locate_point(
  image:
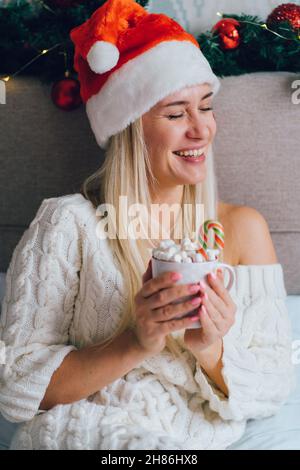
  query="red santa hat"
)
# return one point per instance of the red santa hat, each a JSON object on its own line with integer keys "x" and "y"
{"x": 128, "y": 60}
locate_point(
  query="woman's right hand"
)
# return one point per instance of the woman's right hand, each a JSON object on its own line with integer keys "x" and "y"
{"x": 155, "y": 314}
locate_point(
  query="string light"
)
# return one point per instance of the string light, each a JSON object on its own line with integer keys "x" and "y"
{"x": 43, "y": 52}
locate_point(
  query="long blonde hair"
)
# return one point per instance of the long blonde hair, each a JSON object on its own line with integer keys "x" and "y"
{"x": 126, "y": 171}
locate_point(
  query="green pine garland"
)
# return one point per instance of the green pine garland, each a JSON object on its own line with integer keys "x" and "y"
{"x": 259, "y": 50}
{"x": 26, "y": 30}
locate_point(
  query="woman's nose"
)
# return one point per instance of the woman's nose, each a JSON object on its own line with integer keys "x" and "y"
{"x": 198, "y": 128}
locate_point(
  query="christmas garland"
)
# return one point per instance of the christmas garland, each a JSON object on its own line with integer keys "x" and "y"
{"x": 27, "y": 28}
{"x": 243, "y": 44}
{"x": 34, "y": 39}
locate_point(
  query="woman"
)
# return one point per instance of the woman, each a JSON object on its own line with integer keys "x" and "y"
{"x": 95, "y": 358}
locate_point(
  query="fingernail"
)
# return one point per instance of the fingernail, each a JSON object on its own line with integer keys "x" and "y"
{"x": 213, "y": 276}
{"x": 202, "y": 285}
{"x": 196, "y": 301}
{"x": 196, "y": 318}
{"x": 194, "y": 288}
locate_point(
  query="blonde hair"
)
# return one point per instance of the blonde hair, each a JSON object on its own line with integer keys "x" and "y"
{"x": 126, "y": 171}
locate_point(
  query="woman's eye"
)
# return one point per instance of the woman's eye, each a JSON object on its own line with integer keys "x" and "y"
{"x": 175, "y": 117}
{"x": 180, "y": 115}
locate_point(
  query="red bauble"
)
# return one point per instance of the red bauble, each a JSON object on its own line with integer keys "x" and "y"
{"x": 228, "y": 32}
{"x": 65, "y": 94}
{"x": 288, "y": 12}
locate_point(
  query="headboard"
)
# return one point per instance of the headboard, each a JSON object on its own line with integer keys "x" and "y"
{"x": 46, "y": 152}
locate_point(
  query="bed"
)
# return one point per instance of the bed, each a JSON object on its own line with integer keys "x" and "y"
{"x": 257, "y": 164}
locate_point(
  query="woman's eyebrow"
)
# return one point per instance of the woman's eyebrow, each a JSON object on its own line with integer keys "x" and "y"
{"x": 176, "y": 103}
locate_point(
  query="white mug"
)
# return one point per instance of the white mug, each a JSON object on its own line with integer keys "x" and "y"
{"x": 192, "y": 273}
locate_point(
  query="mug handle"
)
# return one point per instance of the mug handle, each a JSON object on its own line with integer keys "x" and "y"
{"x": 231, "y": 274}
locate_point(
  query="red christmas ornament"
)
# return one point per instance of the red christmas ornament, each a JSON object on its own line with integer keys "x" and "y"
{"x": 288, "y": 12}
{"x": 65, "y": 94}
{"x": 228, "y": 32}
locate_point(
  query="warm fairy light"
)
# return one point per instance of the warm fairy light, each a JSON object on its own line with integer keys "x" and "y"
{"x": 44, "y": 51}
{"x": 5, "y": 79}
{"x": 264, "y": 26}
{"x": 219, "y": 14}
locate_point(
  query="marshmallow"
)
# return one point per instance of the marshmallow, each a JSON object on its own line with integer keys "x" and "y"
{"x": 186, "y": 252}
{"x": 198, "y": 258}
{"x": 166, "y": 244}
{"x": 212, "y": 254}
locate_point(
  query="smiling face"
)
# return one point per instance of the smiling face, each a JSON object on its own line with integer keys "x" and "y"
{"x": 170, "y": 128}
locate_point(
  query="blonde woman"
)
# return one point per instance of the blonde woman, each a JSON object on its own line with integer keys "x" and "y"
{"x": 95, "y": 357}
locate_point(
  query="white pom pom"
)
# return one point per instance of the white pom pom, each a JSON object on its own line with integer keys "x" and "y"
{"x": 103, "y": 56}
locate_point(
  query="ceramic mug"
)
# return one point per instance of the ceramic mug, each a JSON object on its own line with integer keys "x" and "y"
{"x": 192, "y": 273}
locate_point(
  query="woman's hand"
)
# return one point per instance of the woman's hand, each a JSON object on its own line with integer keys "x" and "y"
{"x": 217, "y": 315}
{"x": 155, "y": 314}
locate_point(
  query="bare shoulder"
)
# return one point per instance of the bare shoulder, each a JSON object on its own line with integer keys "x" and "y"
{"x": 225, "y": 214}
{"x": 252, "y": 236}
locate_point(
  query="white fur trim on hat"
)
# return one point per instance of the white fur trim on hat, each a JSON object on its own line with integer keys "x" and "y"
{"x": 142, "y": 82}
{"x": 103, "y": 56}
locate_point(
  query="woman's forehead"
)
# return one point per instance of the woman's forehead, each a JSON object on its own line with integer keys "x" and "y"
{"x": 195, "y": 91}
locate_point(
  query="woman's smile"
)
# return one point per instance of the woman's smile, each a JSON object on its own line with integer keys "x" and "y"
{"x": 190, "y": 159}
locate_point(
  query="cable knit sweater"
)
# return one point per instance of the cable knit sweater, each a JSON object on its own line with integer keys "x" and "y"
{"x": 64, "y": 291}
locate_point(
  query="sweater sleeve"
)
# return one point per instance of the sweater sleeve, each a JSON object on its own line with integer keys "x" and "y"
{"x": 41, "y": 285}
{"x": 257, "y": 351}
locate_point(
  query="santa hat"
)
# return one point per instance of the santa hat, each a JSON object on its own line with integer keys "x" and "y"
{"x": 128, "y": 60}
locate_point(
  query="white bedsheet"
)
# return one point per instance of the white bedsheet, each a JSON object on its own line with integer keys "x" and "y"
{"x": 280, "y": 432}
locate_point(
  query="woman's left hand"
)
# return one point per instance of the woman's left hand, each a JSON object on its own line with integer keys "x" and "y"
{"x": 216, "y": 315}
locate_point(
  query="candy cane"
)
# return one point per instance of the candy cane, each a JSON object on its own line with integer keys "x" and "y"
{"x": 218, "y": 229}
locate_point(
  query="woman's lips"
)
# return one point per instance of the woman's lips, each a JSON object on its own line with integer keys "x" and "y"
{"x": 199, "y": 159}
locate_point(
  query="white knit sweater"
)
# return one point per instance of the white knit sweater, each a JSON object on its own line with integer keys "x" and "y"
{"x": 64, "y": 291}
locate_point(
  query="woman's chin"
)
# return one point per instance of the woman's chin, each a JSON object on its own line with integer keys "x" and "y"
{"x": 191, "y": 182}
{"x": 192, "y": 178}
